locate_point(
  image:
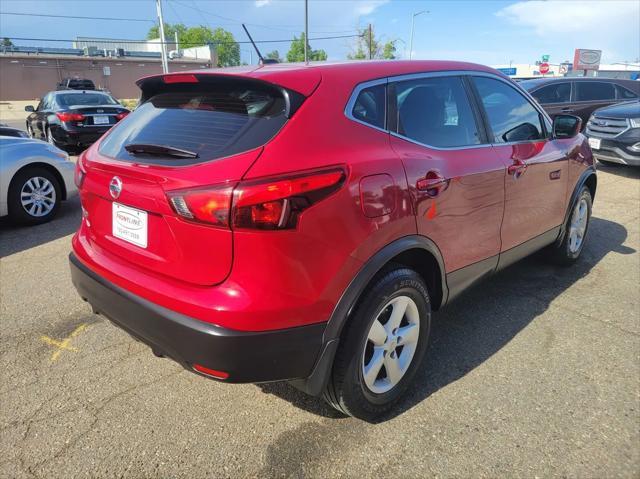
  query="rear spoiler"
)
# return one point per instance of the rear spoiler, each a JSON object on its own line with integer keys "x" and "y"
{"x": 153, "y": 85}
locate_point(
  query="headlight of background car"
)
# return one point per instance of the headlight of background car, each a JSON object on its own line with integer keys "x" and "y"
{"x": 635, "y": 122}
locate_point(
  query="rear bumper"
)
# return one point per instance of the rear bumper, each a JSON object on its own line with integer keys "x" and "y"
{"x": 277, "y": 355}
{"x": 77, "y": 137}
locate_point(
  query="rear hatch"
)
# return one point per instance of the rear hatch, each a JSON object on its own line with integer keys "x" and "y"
{"x": 189, "y": 132}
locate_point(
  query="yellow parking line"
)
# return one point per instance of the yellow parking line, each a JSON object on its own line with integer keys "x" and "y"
{"x": 64, "y": 344}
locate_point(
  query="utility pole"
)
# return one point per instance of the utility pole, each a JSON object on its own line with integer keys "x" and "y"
{"x": 413, "y": 19}
{"x": 370, "y": 43}
{"x": 163, "y": 45}
{"x": 306, "y": 31}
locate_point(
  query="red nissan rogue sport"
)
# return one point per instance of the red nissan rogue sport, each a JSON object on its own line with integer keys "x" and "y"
{"x": 301, "y": 222}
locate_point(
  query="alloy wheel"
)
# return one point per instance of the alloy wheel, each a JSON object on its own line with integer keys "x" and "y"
{"x": 38, "y": 196}
{"x": 578, "y": 225}
{"x": 391, "y": 344}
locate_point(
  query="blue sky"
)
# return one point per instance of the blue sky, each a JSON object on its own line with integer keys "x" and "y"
{"x": 488, "y": 32}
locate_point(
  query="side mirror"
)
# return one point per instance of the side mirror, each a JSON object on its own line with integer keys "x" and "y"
{"x": 566, "y": 126}
{"x": 29, "y": 108}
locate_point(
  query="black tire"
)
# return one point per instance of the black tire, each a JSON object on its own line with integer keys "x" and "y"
{"x": 17, "y": 212}
{"x": 566, "y": 253}
{"x": 347, "y": 390}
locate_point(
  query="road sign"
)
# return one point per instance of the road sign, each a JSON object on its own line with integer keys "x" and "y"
{"x": 508, "y": 71}
{"x": 587, "y": 59}
{"x": 544, "y": 68}
{"x": 545, "y": 58}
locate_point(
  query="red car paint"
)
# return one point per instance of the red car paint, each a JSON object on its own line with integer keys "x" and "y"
{"x": 255, "y": 280}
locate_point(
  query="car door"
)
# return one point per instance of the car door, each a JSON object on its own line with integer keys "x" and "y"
{"x": 591, "y": 95}
{"x": 32, "y": 119}
{"x": 41, "y": 116}
{"x": 555, "y": 98}
{"x": 455, "y": 179}
{"x": 537, "y": 167}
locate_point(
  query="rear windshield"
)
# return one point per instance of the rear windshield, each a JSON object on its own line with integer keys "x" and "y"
{"x": 73, "y": 99}
{"x": 212, "y": 121}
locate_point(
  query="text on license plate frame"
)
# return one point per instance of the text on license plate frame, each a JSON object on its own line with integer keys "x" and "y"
{"x": 130, "y": 224}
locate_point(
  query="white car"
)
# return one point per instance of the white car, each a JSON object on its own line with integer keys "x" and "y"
{"x": 34, "y": 178}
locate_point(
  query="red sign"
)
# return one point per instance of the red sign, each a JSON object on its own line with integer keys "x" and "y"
{"x": 586, "y": 59}
{"x": 544, "y": 68}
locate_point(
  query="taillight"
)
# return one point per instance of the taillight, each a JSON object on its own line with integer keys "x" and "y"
{"x": 208, "y": 205}
{"x": 259, "y": 204}
{"x": 79, "y": 173}
{"x": 69, "y": 116}
{"x": 277, "y": 204}
{"x": 180, "y": 78}
{"x": 120, "y": 116}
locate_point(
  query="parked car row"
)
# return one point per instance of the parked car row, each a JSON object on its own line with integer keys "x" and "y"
{"x": 609, "y": 108}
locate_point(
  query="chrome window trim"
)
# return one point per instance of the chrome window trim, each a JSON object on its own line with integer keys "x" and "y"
{"x": 443, "y": 73}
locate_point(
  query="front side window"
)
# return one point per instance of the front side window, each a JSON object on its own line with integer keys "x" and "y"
{"x": 370, "y": 106}
{"x": 594, "y": 90}
{"x": 554, "y": 93}
{"x": 511, "y": 116}
{"x": 436, "y": 112}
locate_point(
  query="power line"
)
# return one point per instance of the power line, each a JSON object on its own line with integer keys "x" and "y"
{"x": 258, "y": 25}
{"x": 76, "y": 17}
{"x": 112, "y": 40}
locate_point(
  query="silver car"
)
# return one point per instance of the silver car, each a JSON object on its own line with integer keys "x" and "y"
{"x": 34, "y": 178}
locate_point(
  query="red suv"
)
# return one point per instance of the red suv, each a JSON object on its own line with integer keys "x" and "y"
{"x": 301, "y": 223}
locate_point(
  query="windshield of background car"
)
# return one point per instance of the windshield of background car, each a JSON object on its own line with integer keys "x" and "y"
{"x": 82, "y": 99}
{"x": 218, "y": 121}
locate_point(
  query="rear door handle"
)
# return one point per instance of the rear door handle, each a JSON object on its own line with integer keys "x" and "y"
{"x": 433, "y": 183}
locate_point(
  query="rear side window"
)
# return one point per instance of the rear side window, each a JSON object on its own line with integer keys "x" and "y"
{"x": 436, "y": 112}
{"x": 511, "y": 116}
{"x": 594, "y": 90}
{"x": 555, "y": 93}
{"x": 370, "y": 106}
{"x": 210, "y": 121}
{"x": 625, "y": 94}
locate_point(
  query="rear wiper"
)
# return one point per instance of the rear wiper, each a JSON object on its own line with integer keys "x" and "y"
{"x": 151, "y": 149}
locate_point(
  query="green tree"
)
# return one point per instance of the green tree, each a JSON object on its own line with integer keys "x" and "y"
{"x": 6, "y": 42}
{"x": 365, "y": 48}
{"x": 296, "y": 51}
{"x": 169, "y": 32}
{"x": 226, "y": 46}
{"x": 389, "y": 50}
{"x": 274, "y": 55}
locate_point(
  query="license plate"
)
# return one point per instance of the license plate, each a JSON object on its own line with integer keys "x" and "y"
{"x": 100, "y": 120}
{"x": 130, "y": 224}
{"x": 594, "y": 143}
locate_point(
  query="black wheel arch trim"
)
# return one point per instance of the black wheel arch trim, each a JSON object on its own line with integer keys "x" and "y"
{"x": 317, "y": 381}
{"x": 582, "y": 180}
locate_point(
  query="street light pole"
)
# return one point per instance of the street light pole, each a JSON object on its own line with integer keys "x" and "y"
{"x": 413, "y": 18}
{"x": 163, "y": 45}
{"x": 306, "y": 30}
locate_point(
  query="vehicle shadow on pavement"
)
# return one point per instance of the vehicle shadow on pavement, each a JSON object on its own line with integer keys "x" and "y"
{"x": 14, "y": 239}
{"x": 484, "y": 319}
{"x": 620, "y": 170}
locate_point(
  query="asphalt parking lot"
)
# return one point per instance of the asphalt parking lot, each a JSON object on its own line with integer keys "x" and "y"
{"x": 534, "y": 373}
